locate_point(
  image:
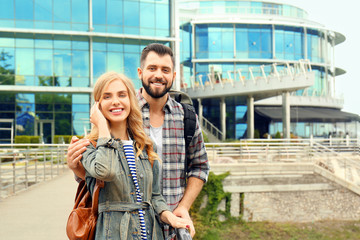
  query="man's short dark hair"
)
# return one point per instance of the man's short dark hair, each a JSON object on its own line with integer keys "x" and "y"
{"x": 158, "y": 48}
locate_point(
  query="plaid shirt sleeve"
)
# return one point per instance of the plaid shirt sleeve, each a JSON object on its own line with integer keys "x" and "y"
{"x": 199, "y": 166}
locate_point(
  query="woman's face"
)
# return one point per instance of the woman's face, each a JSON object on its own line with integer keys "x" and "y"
{"x": 115, "y": 102}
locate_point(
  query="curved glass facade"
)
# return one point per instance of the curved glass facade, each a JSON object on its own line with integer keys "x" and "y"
{"x": 35, "y": 54}
{"x": 243, "y": 7}
{"x": 216, "y": 48}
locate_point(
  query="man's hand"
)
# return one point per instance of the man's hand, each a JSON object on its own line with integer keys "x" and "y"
{"x": 74, "y": 155}
{"x": 182, "y": 212}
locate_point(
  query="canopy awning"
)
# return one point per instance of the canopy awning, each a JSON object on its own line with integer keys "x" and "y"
{"x": 307, "y": 114}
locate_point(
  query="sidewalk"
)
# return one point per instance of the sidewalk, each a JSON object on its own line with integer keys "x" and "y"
{"x": 40, "y": 212}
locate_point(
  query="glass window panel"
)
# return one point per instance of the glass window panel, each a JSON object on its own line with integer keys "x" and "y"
{"x": 7, "y": 61}
{"x": 99, "y": 44}
{"x": 24, "y": 9}
{"x": 115, "y": 12}
{"x": 214, "y": 41}
{"x": 60, "y": 107}
{"x": 43, "y": 62}
{"x": 147, "y": 16}
{"x": 80, "y": 43}
{"x": 132, "y": 45}
{"x": 99, "y": 63}
{"x": 43, "y": 10}
{"x": 80, "y": 98}
{"x": 99, "y": 11}
{"x": 24, "y": 80}
{"x": 62, "y": 62}
{"x": 80, "y": 82}
{"x": 24, "y": 40}
{"x": 79, "y": 11}
{"x": 254, "y": 40}
{"x": 80, "y": 64}
{"x": 62, "y": 42}
{"x": 7, "y": 80}
{"x": 62, "y": 26}
{"x": 43, "y": 25}
{"x": 266, "y": 40}
{"x": 63, "y": 124}
{"x": 115, "y": 29}
{"x": 43, "y": 43}
{"x": 8, "y": 11}
{"x": 63, "y": 81}
{"x": 79, "y": 27}
{"x": 228, "y": 42}
{"x": 115, "y": 45}
{"x": 44, "y": 81}
{"x": 7, "y": 40}
{"x": 131, "y": 63}
{"x": 202, "y": 42}
{"x": 62, "y": 11}
{"x": 131, "y": 14}
{"x": 24, "y": 24}
{"x": 162, "y": 16}
{"x": 115, "y": 62}
{"x": 44, "y": 107}
{"x": 7, "y": 23}
{"x": 99, "y": 28}
{"x": 81, "y": 108}
{"x": 279, "y": 44}
{"x": 24, "y": 61}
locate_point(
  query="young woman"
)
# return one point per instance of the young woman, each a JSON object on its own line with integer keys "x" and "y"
{"x": 130, "y": 203}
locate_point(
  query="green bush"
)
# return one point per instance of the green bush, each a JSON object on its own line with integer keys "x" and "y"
{"x": 206, "y": 139}
{"x": 256, "y": 133}
{"x": 278, "y": 134}
{"x": 58, "y": 139}
{"x": 27, "y": 139}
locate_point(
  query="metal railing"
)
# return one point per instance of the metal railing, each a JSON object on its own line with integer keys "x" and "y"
{"x": 267, "y": 72}
{"x": 340, "y": 156}
{"x": 206, "y": 124}
{"x": 23, "y": 165}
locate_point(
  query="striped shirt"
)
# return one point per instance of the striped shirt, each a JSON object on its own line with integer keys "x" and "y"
{"x": 130, "y": 157}
{"x": 173, "y": 150}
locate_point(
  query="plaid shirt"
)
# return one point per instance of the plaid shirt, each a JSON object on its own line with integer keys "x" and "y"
{"x": 173, "y": 155}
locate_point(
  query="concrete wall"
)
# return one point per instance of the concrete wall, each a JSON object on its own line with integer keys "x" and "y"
{"x": 289, "y": 192}
{"x": 304, "y": 206}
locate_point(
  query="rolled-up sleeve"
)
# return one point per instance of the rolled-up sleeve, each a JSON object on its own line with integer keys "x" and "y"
{"x": 157, "y": 199}
{"x": 197, "y": 157}
{"x": 100, "y": 161}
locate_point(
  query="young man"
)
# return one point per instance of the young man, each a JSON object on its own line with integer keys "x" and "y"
{"x": 163, "y": 121}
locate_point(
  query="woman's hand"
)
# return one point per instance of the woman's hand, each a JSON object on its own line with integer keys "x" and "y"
{"x": 177, "y": 222}
{"x": 98, "y": 119}
{"x": 96, "y": 116}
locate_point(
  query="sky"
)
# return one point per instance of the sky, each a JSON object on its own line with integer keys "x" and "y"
{"x": 344, "y": 17}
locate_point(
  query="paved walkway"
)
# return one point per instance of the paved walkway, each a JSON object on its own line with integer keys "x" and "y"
{"x": 40, "y": 212}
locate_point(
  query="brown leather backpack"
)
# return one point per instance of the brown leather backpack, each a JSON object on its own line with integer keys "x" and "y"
{"x": 81, "y": 223}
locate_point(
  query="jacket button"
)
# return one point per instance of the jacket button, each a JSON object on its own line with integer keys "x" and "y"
{"x": 148, "y": 231}
{"x": 141, "y": 175}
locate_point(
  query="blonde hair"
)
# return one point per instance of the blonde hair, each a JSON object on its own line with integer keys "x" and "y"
{"x": 134, "y": 121}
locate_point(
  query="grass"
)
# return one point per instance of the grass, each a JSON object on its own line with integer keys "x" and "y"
{"x": 236, "y": 229}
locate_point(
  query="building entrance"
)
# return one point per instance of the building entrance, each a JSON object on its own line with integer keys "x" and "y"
{"x": 45, "y": 129}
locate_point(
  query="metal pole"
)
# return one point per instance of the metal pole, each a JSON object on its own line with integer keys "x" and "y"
{"x": 26, "y": 174}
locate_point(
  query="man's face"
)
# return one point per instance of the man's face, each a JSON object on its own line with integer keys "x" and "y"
{"x": 157, "y": 74}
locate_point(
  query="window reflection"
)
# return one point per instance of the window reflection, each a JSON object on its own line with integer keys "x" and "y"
{"x": 24, "y": 9}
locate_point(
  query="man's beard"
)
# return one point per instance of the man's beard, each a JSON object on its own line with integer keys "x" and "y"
{"x": 152, "y": 93}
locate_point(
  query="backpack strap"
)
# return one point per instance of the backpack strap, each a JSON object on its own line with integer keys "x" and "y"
{"x": 189, "y": 130}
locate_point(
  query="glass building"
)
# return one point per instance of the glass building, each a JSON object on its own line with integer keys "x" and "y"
{"x": 219, "y": 38}
{"x": 52, "y": 52}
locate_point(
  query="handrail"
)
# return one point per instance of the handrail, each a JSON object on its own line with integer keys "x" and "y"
{"x": 21, "y": 167}
{"x": 211, "y": 128}
{"x": 300, "y": 68}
